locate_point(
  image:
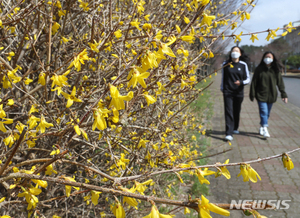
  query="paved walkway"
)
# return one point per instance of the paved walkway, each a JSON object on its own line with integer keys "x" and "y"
{"x": 277, "y": 183}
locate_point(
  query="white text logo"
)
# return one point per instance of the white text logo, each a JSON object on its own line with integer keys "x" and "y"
{"x": 260, "y": 204}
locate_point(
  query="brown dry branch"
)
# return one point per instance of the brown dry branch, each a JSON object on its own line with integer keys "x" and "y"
{"x": 112, "y": 191}
{"x": 102, "y": 90}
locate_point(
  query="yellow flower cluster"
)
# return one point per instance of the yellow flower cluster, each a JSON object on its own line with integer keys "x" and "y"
{"x": 101, "y": 92}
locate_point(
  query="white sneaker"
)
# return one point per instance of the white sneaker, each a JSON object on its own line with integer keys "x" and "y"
{"x": 228, "y": 138}
{"x": 236, "y": 132}
{"x": 266, "y": 133}
{"x": 261, "y": 130}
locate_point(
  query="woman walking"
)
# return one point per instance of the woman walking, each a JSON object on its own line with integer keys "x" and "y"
{"x": 235, "y": 75}
{"x": 263, "y": 87}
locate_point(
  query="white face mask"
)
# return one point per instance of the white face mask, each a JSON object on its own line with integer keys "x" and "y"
{"x": 235, "y": 54}
{"x": 268, "y": 61}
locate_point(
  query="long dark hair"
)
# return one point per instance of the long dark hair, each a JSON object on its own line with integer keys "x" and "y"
{"x": 275, "y": 65}
{"x": 244, "y": 57}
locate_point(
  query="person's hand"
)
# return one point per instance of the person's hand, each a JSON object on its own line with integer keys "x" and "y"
{"x": 237, "y": 83}
{"x": 285, "y": 100}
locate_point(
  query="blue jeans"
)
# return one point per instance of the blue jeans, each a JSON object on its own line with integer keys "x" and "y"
{"x": 264, "y": 112}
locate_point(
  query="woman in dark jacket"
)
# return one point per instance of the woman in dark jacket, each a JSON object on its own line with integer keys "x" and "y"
{"x": 235, "y": 75}
{"x": 263, "y": 87}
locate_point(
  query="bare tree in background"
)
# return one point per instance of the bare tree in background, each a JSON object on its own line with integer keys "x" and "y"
{"x": 94, "y": 105}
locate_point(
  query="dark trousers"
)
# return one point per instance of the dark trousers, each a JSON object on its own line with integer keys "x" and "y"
{"x": 232, "y": 106}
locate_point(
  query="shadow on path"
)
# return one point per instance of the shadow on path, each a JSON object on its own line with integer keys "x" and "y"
{"x": 220, "y": 135}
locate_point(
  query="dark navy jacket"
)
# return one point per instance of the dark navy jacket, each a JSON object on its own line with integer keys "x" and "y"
{"x": 230, "y": 75}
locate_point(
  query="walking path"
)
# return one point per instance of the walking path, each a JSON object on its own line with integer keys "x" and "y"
{"x": 277, "y": 183}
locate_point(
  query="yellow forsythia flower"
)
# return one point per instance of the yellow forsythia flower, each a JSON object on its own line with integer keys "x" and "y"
{"x": 287, "y": 162}
{"x": 10, "y": 102}
{"x": 42, "y": 80}
{"x": 205, "y": 207}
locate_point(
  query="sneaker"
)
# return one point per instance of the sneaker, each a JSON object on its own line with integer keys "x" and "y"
{"x": 236, "y": 132}
{"x": 261, "y": 130}
{"x": 228, "y": 138}
{"x": 266, "y": 133}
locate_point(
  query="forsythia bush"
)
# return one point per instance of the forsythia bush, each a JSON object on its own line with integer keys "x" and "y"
{"x": 94, "y": 98}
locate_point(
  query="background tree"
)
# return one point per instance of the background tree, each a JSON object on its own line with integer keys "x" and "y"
{"x": 279, "y": 46}
{"x": 94, "y": 105}
{"x": 294, "y": 60}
